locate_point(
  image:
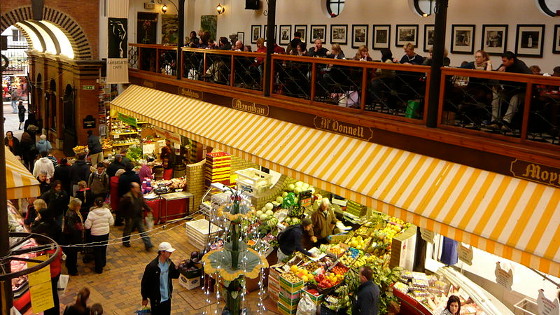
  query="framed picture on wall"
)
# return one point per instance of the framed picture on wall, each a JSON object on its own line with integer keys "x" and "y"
{"x": 556, "y": 41}
{"x": 380, "y": 36}
{"x": 359, "y": 35}
{"x": 494, "y": 38}
{"x": 255, "y": 33}
{"x": 428, "y": 36}
{"x": 529, "y": 40}
{"x": 407, "y": 34}
{"x": 318, "y": 32}
{"x": 285, "y": 34}
{"x": 462, "y": 39}
{"x": 241, "y": 37}
{"x": 339, "y": 34}
{"x": 302, "y": 29}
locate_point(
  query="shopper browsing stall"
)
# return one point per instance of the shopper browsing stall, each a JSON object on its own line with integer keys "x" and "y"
{"x": 289, "y": 241}
{"x": 367, "y": 297}
{"x": 324, "y": 221}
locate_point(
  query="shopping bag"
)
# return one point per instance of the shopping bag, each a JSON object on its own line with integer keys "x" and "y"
{"x": 412, "y": 109}
{"x": 306, "y": 306}
{"x": 143, "y": 311}
{"x": 149, "y": 221}
{"x": 352, "y": 98}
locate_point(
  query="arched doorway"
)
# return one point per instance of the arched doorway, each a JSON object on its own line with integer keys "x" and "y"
{"x": 69, "y": 120}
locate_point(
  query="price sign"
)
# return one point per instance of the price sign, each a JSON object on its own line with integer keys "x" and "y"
{"x": 427, "y": 235}
{"x": 465, "y": 254}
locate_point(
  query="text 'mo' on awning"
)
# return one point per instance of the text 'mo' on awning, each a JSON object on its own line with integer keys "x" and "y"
{"x": 20, "y": 183}
{"x": 512, "y": 218}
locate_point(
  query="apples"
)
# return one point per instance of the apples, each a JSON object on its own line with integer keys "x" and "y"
{"x": 269, "y": 206}
{"x": 284, "y": 194}
{"x": 280, "y": 199}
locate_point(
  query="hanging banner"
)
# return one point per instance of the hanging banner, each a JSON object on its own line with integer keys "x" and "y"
{"x": 117, "y": 42}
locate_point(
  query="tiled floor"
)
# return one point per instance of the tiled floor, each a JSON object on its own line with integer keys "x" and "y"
{"x": 118, "y": 287}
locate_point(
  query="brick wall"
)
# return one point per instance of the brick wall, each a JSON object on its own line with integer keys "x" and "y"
{"x": 195, "y": 181}
{"x": 78, "y": 19}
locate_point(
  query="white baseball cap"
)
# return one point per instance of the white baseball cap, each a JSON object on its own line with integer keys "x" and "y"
{"x": 165, "y": 247}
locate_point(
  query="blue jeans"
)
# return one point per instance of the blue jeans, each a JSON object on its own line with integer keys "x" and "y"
{"x": 136, "y": 223}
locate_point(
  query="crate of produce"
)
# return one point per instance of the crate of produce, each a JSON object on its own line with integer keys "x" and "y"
{"x": 355, "y": 208}
{"x": 198, "y": 232}
{"x": 290, "y": 295}
{"x": 315, "y": 296}
{"x": 189, "y": 283}
{"x": 191, "y": 273}
{"x": 282, "y": 309}
{"x": 290, "y": 282}
{"x": 287, "y": 303}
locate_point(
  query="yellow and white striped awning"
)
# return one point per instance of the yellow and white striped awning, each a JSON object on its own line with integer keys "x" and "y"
{"x": 20, "y": 183}
{"x": 512, "y": 218}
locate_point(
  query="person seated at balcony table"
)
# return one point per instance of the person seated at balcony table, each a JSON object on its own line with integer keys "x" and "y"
{"x": 536, "y": 70}
{"x": 318, "y": 50}
{"x": 513, "y": 92}
{"x": 293, "y": 44}
{"x": 224, "y": 44}
{"x": 203, "y": 41}
{"x": 301, "y": 49}
{"x": 472, "y": 93}
{"x": 247, "y": 48}
{"x": 238, "y": 46}
{"x": 383, "y": 83}
{"x": 211, "y": 44}
{"x": 428, "y": 60}
{"x": 362, "y": 54}
{"x": 410, "y": 57}
{"x": 336, "y": 52}
{"x": 481, "y": 61}
{"x": 548, "y": 103}
{"x": 192, "y": 41}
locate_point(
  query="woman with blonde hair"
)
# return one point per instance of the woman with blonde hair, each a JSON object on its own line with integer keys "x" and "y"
{"x": 73, "y": 234}
{"x": 362, "y": 54}
{"x": 336, "y": 52}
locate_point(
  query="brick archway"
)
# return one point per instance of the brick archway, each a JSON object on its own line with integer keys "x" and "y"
{"x": 77, "y": 37}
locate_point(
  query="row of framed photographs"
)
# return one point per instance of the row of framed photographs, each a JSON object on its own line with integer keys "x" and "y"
{"x": 339, "y": 34}
{"x": 529, "y": 37}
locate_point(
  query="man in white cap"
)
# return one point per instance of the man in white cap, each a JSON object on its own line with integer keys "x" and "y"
{"x": 156, "y": 281}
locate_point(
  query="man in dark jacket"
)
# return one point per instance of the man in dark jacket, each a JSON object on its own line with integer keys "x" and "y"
{"x": 131, "y": 207}
{"x": 116, "y": 165}
{"x": 62, "y": 173}
{"x": 126, "y": 178}
{"x": 95, "y": 148}
{"x": 367, "y": 298}
{"x": 79, "y": 171}
{"x": 513, "y": 93}
{"x": 57, "y": 201}
{"x": 290, "y": 240}
{"x": 156, "y": 282}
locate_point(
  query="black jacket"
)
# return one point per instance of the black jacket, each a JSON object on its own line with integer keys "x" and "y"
{"x": 79, "y": 171}
{"x": 114, "y": 167}
{"x": 57, "y": 202}
{"x": 131, "y": 206}
{"x": 367, "y": 302}
{"x": 125, "y": 180}
{"x": 62, "y": 173}
{"x": 94, "y": 145}
{"x": 150, "y": 281}
{"x": 290, "y": 240}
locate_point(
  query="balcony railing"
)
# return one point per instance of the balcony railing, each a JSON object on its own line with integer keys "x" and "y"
{"x": 506, "y": 106}
{"x": 470, "y": 101}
